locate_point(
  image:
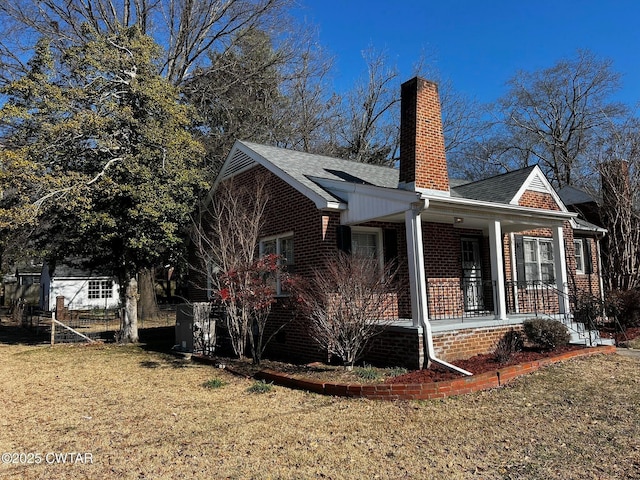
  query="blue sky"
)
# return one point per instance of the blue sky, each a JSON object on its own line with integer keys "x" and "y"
{"x": 479, "y": 45}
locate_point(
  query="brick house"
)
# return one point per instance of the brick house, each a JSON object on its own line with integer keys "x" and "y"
{"x": 478, "y": 257}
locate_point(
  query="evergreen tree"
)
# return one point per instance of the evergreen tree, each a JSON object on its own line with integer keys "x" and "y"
{"x": 97, "y": 159}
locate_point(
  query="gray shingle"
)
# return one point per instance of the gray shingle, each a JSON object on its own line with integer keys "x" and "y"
{"x": 498, "y": 189}
{"x": 301, "y": 166}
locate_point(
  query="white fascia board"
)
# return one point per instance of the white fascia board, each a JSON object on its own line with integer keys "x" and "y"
{"x": 491, "y": 210}
{"x": 537, "y": 173}
{"x": 368, "y": 202}
{"x": 320, "y": 202}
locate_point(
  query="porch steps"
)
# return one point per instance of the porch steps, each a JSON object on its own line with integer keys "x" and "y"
{"x": 581, "y": 336}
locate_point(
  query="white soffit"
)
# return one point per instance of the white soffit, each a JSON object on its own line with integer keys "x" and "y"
{"x": 368, "y": 202}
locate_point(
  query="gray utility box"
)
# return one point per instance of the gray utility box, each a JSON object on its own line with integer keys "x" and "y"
{"x": 195, "y": 328}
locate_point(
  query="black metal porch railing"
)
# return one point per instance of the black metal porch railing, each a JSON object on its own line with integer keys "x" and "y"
{"x": 454, "y": 298}
{"x": 460, "y": 299}
{"x": 532, "y": 297}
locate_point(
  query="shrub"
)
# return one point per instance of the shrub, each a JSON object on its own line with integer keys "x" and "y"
{"x": 260, "y": 387}
{"x": 509, "y": 344}
{"x": 625, "y": 306}
{"x": 545, "y": 333}
{"x": 213, "y": 383}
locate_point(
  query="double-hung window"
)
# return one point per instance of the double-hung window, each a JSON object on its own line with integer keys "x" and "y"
{"x": 282, "y": 246}
{"x": 539, "y": 264}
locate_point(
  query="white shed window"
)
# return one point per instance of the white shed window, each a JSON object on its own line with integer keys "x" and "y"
{"x": 100, "y": 289}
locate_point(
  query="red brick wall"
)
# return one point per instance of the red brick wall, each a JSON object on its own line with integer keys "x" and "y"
{"x": 538, "y": 200}
{"x": 422, "y": 154}
{"x": 465, "y": 343}
{"x": 396, "y": 347}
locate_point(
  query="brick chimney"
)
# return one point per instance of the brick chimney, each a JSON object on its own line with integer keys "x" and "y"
{"x": 423, "y": 164}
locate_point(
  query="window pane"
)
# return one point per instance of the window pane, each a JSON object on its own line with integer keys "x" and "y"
{"x": 269, "y": 247}
{"x": 578, "y": 254}
{"x": 286, "y": 250}
{"x": 364, "y": 244}
{"x": 531, "y": 272}
{"x": 530, "y": 251}
{"x": 546, "y": 251}
{"x": 548, "y": 275}
{"x": 94, "y": 289}
{"x": 107, "y": 289}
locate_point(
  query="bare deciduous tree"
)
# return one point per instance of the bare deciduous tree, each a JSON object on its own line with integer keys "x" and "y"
{"x": 619, "y": 171}
{"x": 187, "y": 29}
{"x": 553, "y": 116}
{"x": 348, "y": 302}
{"x": 226, "y": 238}
{"x": 367, "y": 123}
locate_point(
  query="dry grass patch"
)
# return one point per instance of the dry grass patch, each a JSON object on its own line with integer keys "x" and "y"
{"x": 635, "y": 343}
{"x": 146, "y": 415}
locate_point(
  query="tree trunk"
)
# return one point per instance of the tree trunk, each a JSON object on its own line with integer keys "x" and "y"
{"x": 147, "y": 305}
{"x": 129, "y": 327}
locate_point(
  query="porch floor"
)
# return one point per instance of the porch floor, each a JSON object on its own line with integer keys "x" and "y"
{"x": 449, "y": 324}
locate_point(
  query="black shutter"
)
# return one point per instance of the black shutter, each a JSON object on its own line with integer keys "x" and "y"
{"x": 520, "y": 267}
{"x": 588, "y": 263}
{"x": 343, "y": 236}
{"x": 390, "y": 239}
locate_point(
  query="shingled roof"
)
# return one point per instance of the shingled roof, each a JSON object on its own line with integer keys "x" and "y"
{"x": 306, "y": 168}
{"x": 499, "y": 189}
{"x": 302, "y": 167}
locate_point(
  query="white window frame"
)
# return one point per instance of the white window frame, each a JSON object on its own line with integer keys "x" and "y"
{"x": 578, "y": 246}
{"x": 538, "y": 260}
{"x": 100, "y": 289}
{"x": 278, "y": 242}
{"x": 378, "y": 236}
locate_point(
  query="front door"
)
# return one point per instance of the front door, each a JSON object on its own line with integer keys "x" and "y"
{"x": 472, "y": 275}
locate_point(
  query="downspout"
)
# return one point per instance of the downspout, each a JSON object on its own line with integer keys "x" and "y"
{"x": 599, "y": 263}
{"x": 419, "y": 305}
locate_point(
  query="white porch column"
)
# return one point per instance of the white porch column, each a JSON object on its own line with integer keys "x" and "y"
{"x": 497, "y": 269}
{"x": 561, "y": 269}
{"x": 415, "y": 253}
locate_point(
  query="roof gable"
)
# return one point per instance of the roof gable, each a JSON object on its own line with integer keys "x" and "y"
{"x": 509, "y": 187}
{"x": 538, "y": 182}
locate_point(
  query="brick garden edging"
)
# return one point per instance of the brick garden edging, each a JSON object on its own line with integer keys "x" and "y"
{"x": 432, "y": 390}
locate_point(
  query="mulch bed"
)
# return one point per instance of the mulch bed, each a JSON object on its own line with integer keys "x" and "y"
{"x": 330, "y": 373}
{"x": 476, "y": 365}
{"x": 621, "y": 338}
